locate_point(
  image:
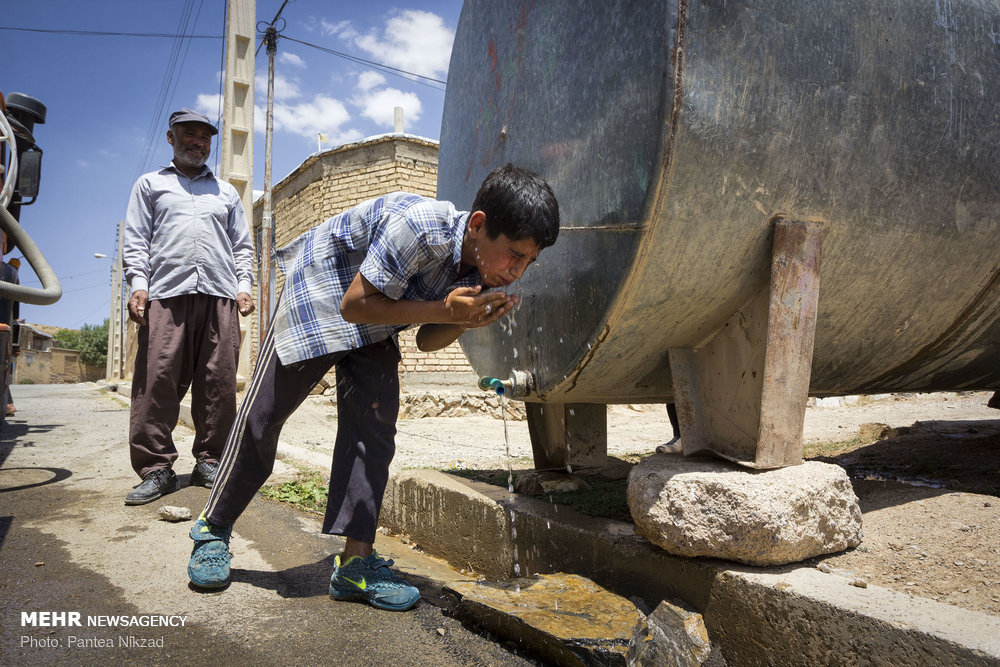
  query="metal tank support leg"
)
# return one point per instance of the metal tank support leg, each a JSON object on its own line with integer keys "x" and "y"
{"x": 568, "y": 434}
{"x": 742, "y": 395}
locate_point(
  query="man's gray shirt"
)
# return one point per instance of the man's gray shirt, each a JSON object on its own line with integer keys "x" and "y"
{"x": 186, "y": 236}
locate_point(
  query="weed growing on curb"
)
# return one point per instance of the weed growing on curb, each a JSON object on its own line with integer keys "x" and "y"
{"x": 308, "y": 492}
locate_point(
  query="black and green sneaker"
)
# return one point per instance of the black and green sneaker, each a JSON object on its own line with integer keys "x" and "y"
{"x": 371, "y": 580}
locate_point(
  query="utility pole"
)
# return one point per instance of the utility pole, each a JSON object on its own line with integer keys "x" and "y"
{"x": 236, "y": 137}
{"x": 116, "y": 324}
{"x": 267, "y": 225}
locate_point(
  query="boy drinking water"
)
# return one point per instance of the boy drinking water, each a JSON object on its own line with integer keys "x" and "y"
{"x": 352, "y": 283}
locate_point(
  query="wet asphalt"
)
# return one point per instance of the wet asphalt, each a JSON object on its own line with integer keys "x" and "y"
{"x": 69, "y": 545}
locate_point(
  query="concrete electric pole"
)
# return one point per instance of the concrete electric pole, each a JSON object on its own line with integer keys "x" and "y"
{"x": 237, "y": 124}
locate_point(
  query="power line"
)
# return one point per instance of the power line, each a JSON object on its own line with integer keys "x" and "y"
{"x": 33, "y": 280}
{"x": 395, "y": 71}
{"x": 165, "y": 35}
{"x": 108, "y": 33}
{"x": 187, "y": 47}
{"x": 161, "y": 97}
{"x": 270, "y": 26}
{"x": 222, "y": 85}
{"x": 280, "y": 9}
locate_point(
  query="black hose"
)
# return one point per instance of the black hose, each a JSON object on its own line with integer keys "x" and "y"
{"x": 50, "y": 290}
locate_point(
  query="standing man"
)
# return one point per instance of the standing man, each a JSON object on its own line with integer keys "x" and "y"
{"x": 189, "y": 261}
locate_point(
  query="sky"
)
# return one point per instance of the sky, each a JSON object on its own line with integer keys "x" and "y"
{"x": 108, "y": 98}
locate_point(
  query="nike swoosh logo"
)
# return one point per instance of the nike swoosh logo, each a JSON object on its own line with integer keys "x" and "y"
{"x": 363, "y": 585}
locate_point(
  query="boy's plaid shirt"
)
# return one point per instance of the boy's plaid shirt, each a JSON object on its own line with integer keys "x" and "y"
{"x": 407, "y": 246}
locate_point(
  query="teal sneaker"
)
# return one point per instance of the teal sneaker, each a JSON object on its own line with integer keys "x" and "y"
{"x": 371, "y": 580}
{"x": 209, "y": 564}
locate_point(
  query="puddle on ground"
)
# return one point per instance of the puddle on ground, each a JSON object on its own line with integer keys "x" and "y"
{"x": 568, "y": 607}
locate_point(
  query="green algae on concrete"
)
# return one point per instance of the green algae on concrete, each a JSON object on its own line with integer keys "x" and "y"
{"x": 564, "y": 618}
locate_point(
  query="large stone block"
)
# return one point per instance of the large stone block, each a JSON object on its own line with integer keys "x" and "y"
{"x": 705, "y": 507}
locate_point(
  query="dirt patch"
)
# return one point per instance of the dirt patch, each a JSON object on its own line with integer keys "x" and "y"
{"x": 931, "y": 512}
{"x": 933, "y": 543}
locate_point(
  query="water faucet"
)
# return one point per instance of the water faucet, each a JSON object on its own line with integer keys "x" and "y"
{"x": 519, "y": 385}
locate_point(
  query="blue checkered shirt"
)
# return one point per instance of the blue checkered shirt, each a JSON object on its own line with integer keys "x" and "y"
{"x": 407, "y": 246}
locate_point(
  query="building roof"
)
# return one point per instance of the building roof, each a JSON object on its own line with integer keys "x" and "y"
{"x": 42, "y": 330}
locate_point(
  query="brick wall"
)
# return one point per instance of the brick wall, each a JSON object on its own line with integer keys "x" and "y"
{"x": 54, "y": 366}
{"x": 67, "y": 368}
{"x": 450, "y": 359}
{"x": 32, "y": 367}
{"x": 330, "y": 182}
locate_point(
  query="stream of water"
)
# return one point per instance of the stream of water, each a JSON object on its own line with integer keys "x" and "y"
{"x": 510, "y": 494}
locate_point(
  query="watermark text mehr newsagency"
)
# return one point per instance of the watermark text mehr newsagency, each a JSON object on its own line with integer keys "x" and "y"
{"x": 69, "y": 619}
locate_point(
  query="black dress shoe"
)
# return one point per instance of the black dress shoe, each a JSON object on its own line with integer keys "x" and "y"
{"x": 154, "y": 485}
{"x": 204, "y": 474}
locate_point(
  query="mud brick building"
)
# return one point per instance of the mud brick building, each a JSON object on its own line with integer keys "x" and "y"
{"x": 329, "y": 182}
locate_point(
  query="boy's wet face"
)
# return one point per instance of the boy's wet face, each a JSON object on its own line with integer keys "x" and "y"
{"x": 501, "y": 261}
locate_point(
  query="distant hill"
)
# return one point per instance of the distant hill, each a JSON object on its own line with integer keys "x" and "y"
{"x": 45, "y": 328}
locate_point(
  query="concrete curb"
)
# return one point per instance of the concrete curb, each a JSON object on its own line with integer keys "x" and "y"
{"x": 786, "y": 615}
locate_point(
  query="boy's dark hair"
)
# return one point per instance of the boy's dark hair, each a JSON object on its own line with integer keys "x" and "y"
{"x": 519, "y": 204}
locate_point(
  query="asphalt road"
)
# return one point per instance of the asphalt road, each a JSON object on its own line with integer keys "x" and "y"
{"x": 69, "y": 545}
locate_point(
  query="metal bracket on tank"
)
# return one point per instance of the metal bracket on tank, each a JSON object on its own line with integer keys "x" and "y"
{"x": 742, "y": 395}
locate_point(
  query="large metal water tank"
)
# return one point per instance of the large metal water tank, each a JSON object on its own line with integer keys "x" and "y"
{"x": 673, "y": 133}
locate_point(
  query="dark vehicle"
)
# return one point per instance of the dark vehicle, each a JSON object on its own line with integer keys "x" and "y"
{"x": 20, "y": 169}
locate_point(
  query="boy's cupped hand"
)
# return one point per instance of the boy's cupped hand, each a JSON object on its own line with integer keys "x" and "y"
{"x": 470, "y": 308}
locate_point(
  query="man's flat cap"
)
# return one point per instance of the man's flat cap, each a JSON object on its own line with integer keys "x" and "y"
{"x": 186, "y": 115}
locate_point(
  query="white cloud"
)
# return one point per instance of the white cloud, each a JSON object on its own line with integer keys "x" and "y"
{"x": 82, "y": 164}
{"x": 341, "y": 29}
{"x": 209, "y": 104}
{"x": 413, "y": 40}
{"x": 289, "y": 58}
{"x": 369, "y": 79}
{"x": 284, "y": 88}
{"x": 379, "y": 106}
{"x": 324, "y": 114}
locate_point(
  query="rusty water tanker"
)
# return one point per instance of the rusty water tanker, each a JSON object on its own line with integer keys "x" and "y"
{"x": 676, "y": 134}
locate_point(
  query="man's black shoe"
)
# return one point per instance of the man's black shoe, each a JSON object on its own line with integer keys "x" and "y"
{"x": 154, "y": 485}
{"x": 204, "y": 474}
